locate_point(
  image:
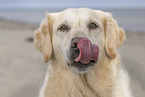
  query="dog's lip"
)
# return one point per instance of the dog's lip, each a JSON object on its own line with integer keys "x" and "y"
{"x": 80, "y": 66}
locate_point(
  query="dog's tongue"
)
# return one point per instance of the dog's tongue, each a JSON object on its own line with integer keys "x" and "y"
{"x": 88, "y": 51}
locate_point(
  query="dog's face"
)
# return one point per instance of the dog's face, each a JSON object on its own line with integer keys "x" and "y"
{"x": 79, "y": 38}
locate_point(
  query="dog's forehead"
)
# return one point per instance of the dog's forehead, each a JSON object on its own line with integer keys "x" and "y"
{"x": 79, "y": 11}
{"x": 76, "y": 13}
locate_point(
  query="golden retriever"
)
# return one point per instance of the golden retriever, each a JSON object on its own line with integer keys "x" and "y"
{"x": 81, "y": 47}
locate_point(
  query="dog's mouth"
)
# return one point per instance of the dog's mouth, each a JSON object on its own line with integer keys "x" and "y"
{"x": 83, "y": 54}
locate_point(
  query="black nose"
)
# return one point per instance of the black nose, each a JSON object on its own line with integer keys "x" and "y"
{"x": 74, "y": 50}
{"x": 75, "y": 41}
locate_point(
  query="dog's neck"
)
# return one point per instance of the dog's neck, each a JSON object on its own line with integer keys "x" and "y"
{"x": 64, "y": 82}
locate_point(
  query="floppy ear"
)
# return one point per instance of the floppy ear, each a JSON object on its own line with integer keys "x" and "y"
{"x": 114, "y": 36}
{"x": 42, "y": 39}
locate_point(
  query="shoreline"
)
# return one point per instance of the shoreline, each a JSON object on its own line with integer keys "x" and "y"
{"x": 130, "y": 19}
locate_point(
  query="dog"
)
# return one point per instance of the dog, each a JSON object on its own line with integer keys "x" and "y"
{"x": 81, "y": 47}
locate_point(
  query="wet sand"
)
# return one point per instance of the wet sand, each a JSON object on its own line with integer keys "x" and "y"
{"x": 22, "y": 68}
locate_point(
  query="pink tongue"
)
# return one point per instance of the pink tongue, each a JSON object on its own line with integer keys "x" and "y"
{"x": 88, "y": 51}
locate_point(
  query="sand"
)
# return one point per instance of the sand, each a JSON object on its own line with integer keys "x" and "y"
{"x": 22, "y": 68}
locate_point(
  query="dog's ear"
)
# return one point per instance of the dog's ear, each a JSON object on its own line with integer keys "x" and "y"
{"x": 43, "y": 36}
{"x": 114, "y": 36}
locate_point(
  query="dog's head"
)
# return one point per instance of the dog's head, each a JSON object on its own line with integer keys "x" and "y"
{"x": 79, "y": 38}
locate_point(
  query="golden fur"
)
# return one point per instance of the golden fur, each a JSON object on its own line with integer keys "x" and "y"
{"x": 107, "y": 79}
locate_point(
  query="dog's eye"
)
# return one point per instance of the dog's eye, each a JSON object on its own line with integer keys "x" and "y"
{"x": 63, "y": 28}
{"x": 93, "y": 26}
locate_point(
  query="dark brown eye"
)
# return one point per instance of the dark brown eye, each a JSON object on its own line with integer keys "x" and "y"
{"x": 93, "y": 26}
{"x": 63, "y": 28}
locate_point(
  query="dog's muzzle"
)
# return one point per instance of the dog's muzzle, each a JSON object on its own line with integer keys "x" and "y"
{"x": 83, "y": 53}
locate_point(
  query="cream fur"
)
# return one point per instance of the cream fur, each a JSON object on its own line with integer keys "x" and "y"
{"x": 106, "y": 79}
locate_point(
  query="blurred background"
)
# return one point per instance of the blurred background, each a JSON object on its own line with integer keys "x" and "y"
{"x": 22, "y": 69}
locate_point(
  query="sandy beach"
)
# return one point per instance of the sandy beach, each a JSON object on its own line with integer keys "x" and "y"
{"x": 22, "y": 68}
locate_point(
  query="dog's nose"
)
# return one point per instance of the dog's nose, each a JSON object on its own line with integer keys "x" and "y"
{"x": 75, "y": 41}
{"x": 82, "y": 50}
{"x": 74, "y": 50}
